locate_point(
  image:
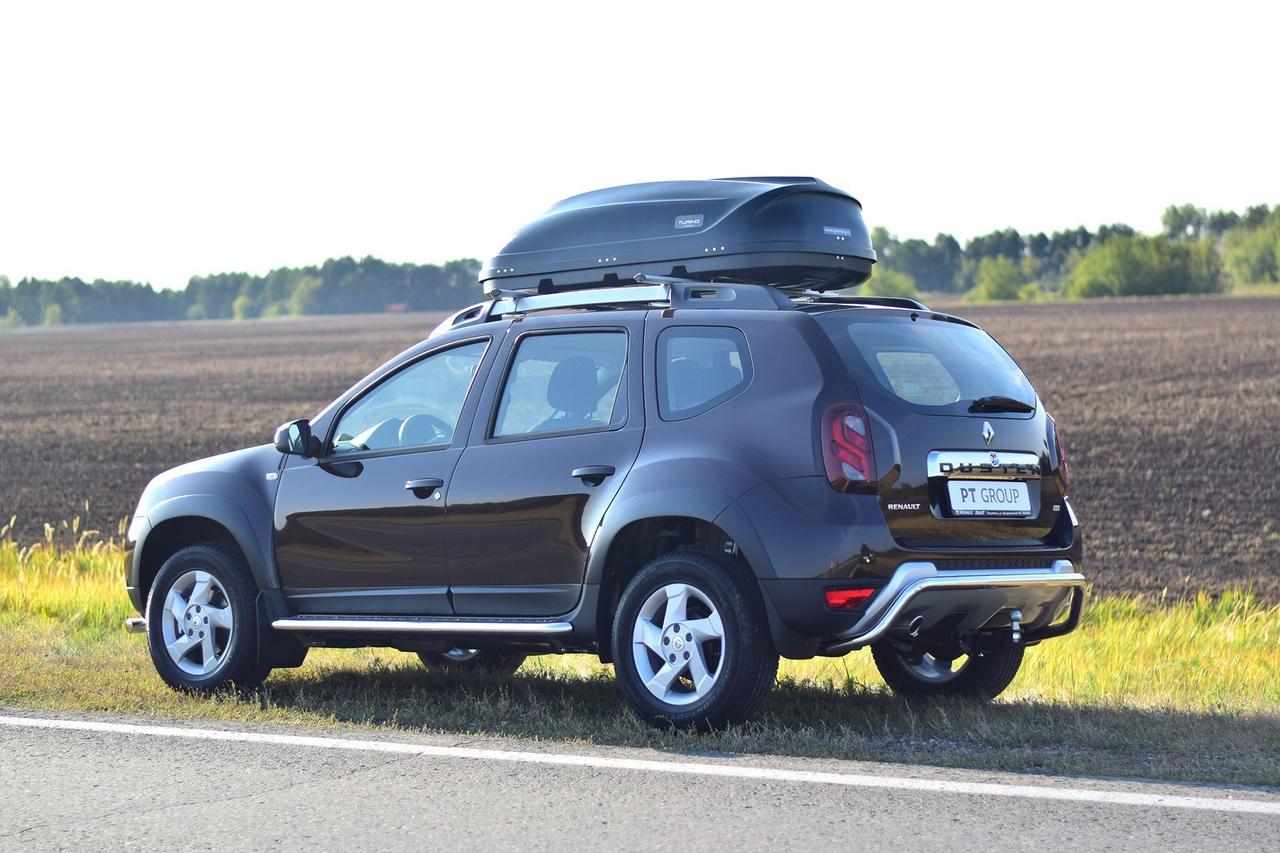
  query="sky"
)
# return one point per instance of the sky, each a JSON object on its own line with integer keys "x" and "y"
{"x": 154, "y": 142}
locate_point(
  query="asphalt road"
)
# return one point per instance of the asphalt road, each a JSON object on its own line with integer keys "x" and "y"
{"x": 205, "y": 785}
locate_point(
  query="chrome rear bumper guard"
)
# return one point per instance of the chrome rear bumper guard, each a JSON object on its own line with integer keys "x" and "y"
{"x": 914, "y": 578}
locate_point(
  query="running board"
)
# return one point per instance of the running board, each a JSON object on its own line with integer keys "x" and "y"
{"x": 380, "y": 625}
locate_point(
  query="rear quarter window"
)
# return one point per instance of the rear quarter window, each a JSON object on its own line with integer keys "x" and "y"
{"x": 700, "y": 367}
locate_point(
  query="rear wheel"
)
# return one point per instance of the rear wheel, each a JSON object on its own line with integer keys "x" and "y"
{"x": 201, "y": 621}
{"x": 493, "y": 661}
{"x": 691, "y": 643}
{"x": 921, "y": 674}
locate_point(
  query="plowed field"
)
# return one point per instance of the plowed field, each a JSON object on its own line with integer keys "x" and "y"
{"x": 1170, "y": 407}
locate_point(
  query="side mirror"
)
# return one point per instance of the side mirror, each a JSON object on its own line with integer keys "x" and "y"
{"x": 295, "y": 437}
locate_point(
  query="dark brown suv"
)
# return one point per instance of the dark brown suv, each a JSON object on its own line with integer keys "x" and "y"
{"x": 687, "y": 478}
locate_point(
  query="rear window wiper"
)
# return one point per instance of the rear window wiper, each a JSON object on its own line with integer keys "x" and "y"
{"x": 1000, "y": 404}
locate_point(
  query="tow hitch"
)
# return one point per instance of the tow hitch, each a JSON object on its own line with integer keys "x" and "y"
{"x": 1015, "y": 625}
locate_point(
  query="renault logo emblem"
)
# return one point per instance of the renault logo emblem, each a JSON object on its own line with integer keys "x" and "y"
{"x": 988, "y": 434}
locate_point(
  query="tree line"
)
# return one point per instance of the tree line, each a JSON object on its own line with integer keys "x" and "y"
{"x": 338, "y": 286}
{"x": 1198, "y": 251}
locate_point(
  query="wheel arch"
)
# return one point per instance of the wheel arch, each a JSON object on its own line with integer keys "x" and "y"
{"x": 638, "y": 530}
{"x": 190, "y": 519}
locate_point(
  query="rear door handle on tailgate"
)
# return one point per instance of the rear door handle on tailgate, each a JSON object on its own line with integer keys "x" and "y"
{"x": 593, "y": 474}
{"x": 424, "y": 487}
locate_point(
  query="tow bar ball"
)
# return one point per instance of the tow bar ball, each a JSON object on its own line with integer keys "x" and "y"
{"x": 1015, "y": 625}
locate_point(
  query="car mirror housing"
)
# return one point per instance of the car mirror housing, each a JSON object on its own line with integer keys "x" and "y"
{"x": 295, "y": 438}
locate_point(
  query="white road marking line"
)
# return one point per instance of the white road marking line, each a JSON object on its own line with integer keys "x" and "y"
{"x": 856, "y": 780}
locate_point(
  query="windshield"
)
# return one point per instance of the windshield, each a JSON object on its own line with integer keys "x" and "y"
{"x": 939, "y": 366}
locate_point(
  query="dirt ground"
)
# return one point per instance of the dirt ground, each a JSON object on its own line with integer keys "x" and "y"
{"x": 1169, "y": 409}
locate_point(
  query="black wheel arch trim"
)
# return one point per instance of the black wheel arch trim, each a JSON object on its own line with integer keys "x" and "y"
{"x": 221, "y": 510}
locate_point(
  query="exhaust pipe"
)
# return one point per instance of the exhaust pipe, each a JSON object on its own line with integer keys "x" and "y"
{"x": 911, "y": 629}
{"x": 135, "y": 625}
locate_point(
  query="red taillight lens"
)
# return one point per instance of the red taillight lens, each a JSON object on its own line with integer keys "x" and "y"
{"x": 848, "y": 599}
{"x": 846, "y": 449}
{"x": 1062, "y": 458}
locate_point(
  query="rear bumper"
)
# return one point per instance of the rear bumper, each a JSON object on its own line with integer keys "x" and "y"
{"x": 923, "y": 594}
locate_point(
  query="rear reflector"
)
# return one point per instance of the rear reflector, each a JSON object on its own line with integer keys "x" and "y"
{"x": 846, "y": 449}
{"x": 848, "y": 599}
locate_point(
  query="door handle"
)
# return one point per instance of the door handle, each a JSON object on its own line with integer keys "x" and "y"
{"x": 424, "y": 487}
{"x": 593, "y": 474}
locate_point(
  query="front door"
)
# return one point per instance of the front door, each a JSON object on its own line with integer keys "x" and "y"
{"x": 360, "y": 530}
{"x": 558, "y": 428}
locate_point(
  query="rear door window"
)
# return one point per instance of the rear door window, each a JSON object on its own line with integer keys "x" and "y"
{"x": 937, "y": 366}
{"x": 563, "y": 382}
{"x": 699, "y": 367}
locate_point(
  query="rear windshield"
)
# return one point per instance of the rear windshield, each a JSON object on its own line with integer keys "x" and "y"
{"x": 939, "y": 366}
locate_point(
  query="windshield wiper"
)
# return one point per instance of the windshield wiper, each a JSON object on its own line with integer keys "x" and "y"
{"x": 1000, "y": 404}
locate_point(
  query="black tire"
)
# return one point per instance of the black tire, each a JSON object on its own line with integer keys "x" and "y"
{"x": 982, "y": 678}
{"x": 745, "y": 661}
{"x": 237, "y": 663}
{"x": 492, "y": 661}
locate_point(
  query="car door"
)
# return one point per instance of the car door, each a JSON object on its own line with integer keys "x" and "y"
{"x": 558, "y": 429}
{"x": 360, "y": 530}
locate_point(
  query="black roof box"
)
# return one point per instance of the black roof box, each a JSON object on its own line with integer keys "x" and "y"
{"x": 793, "y": 233}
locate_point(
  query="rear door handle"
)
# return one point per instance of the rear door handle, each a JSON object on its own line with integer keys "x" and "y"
{"x": 593, "y": 474}
{"x": 424, "y": 487}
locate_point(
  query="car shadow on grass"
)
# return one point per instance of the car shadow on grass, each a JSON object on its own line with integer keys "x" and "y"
{"x": 818, "y": 719}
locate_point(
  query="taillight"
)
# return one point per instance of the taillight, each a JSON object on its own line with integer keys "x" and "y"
{"x": 846, "y": 449}
{"x": 848, "y": 599}
{"x": 1062, "y": 458}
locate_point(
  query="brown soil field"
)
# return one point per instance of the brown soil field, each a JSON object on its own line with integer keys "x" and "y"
{"x": 1169, "y": 409}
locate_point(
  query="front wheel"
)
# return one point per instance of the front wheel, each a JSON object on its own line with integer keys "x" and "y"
{"x": 201, "y": 621}
{"x": 921, "y": 674}
{"x": 691, "y": 643}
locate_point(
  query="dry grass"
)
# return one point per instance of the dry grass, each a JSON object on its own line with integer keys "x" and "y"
{"x": 1174, "y": 689}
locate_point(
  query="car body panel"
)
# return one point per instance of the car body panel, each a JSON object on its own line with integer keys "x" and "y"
{"x": 349, "y": 536}
{"x": 520, "y": 524}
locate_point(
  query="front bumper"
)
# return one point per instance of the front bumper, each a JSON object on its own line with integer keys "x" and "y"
{"x": 920, "y": 594}
{"x": 137, "y": 530}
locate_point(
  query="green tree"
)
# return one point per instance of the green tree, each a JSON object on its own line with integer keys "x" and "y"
{"x": 1252, "y": 255}
{"x": 887, "y": 282}
{"x": 308, "y": 296}
{"x": 1144, "y": 266}
{"x": 1183, "y": 221}
{"x": 997, "y": 278}
{"x": 243, "y": 308}
{"x": 1030, "y": 292}
{"x": 52, "y": 315}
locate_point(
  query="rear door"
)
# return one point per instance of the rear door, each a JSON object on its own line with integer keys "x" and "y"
{"x": 559, "y": 427}
{"x": 958, "y": 431}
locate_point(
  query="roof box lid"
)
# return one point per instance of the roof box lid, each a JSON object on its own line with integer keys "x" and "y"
{"x": 793, "y": 233}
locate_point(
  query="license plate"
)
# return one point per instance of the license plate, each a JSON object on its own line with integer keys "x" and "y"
{"x": 987, "y": 499}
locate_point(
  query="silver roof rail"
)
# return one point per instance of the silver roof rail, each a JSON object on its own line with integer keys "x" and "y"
{"x": 821, "y": 297}
{"x": 649, "y": 291}
{"x": 653, "y": 295}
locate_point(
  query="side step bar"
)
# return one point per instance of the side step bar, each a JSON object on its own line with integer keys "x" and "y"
{"x": 377, "y": 625}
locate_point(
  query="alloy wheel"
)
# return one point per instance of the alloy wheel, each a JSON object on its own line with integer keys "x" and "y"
{"x": 678, "y": 644}
{"x": 197, "y": 625}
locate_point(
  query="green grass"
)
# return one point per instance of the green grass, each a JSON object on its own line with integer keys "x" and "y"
{"x": 1179, "y": 690}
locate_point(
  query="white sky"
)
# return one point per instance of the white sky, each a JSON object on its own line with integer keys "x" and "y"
{"x": 154, "y": 142}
